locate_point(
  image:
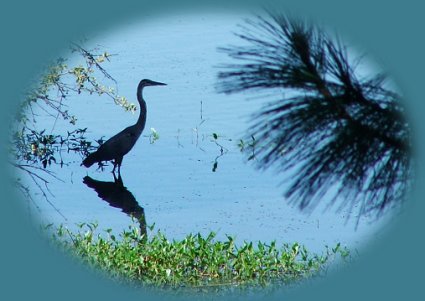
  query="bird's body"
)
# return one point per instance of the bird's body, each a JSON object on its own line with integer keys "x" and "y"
{"x": 119, "y": 145}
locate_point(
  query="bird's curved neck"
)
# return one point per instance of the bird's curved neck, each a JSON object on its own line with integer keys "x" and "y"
{"x": 140, "y": 125}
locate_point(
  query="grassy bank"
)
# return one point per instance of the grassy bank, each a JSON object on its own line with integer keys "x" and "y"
{"x": 197, "y": 262}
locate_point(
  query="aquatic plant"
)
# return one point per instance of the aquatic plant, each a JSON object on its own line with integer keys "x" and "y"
{"x": 196, "y": 262}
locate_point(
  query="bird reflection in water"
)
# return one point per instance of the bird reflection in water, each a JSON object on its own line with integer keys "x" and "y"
{"x": 118, "y": 196}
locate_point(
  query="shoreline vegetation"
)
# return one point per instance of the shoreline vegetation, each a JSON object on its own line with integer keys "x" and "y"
{"x": 197, "y": 263}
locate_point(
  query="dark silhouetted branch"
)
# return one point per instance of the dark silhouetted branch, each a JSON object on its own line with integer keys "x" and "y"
{"x": 334, "y": 132}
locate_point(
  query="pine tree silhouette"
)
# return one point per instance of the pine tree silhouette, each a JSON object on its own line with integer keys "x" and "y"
{"x": 333, "y": 131}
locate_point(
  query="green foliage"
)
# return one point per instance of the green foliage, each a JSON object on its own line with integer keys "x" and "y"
{"x": 196, "y": 262}
{"x": 248, "y": 145}
{"x": 154, "y": 136}
{"x": 60, "y": 80}
{"x": 37, "y": 147}
{"x": 223, "y": 150}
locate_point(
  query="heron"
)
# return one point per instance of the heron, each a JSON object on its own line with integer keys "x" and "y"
{"x": 119, "y": 145}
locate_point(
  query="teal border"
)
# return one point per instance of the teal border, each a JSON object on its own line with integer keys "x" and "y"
{"x": 32, "y": 32}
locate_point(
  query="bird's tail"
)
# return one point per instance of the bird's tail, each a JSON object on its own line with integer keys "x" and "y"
{"x": 90, "y": 160}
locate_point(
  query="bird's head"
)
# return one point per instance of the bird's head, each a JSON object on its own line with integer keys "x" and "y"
{"x": 148, "y": 82}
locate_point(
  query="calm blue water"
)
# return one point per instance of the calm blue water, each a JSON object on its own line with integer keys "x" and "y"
{"x": 172, "y": 179}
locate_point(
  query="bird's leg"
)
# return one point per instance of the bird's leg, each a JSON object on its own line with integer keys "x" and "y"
{"x": 115, "y": 165}
{"x": 119, "y": 181}
{"x": 119, "y": 162}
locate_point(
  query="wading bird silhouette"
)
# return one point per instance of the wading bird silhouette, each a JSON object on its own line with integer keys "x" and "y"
{"x": 119, "y": 145}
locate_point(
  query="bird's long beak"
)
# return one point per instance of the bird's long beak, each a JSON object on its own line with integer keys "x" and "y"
{"x": 157, "y": 84}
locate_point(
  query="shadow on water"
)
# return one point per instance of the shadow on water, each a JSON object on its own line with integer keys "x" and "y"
{"x": 118, "y": 196}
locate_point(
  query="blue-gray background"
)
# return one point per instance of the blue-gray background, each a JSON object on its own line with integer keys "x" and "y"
{"x": 33, "y": 32}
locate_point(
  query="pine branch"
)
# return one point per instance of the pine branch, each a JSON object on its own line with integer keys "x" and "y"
{"x": 335, "y": 132}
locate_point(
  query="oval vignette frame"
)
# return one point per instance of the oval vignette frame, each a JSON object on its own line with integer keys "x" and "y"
{"x": 27, "y": 257}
